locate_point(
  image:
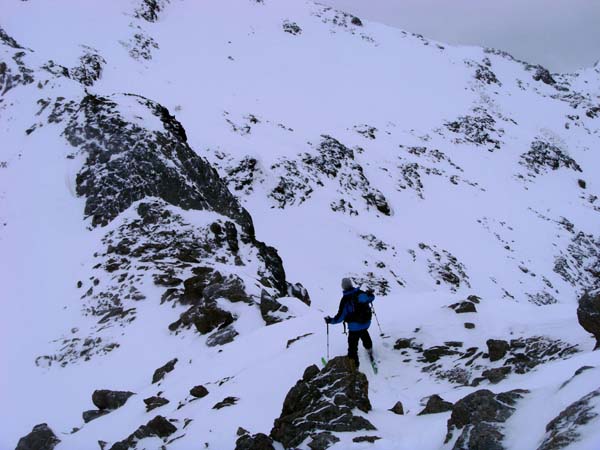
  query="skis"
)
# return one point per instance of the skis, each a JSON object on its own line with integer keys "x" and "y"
{"x": 373, "y": 362}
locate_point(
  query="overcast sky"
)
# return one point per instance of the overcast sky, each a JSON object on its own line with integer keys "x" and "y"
{"x": 563, "y": 35}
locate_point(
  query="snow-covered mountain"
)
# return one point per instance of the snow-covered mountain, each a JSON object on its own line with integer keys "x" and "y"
{"x": 184, "y": 184}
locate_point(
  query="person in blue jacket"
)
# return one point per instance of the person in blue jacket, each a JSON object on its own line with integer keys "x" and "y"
{"x": 355, "y": 310}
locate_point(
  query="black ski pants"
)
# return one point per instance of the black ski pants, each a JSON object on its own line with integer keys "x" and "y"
{"x": 353, "y": 338}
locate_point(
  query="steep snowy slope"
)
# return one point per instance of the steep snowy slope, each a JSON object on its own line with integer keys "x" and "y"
{"x": 151, "y": 153}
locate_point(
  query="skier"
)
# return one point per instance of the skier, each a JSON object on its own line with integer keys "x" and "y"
{"x": 355, "y": 309}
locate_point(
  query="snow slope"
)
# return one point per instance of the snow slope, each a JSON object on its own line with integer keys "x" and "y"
{"x": 425, "y": 171}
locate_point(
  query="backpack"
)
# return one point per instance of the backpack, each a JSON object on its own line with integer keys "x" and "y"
{"x": 358, "y": 312}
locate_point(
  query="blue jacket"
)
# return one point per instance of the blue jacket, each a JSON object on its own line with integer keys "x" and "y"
{"x": 347, "y": 307}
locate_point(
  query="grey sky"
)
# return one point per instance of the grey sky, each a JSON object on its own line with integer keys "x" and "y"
{"x": 563, "y": 35}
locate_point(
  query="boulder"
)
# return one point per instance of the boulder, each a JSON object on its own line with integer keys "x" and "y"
{"x": 159, "y": 427}
{"x": 323, "y": 401}
{"x": 105, "y": 399}
{"x": 479, "y": 417}
{"x": 269, "y": 306}
{"x": 40, "y": 438}
{"x": 227, "y": 401}
{"x": 322, "y": 440}
{"x": 300, "y": 292}
{"x": 154, "y": 402}
{"x": 199, "y": 391}
{"x": 369, "y": 439}
{"x": 398, "y": 409}
{"x": 232, "y": 288}
{"x": 259, "y": 441}
{"x": 436, "y": 404}
{"x": 93, "y": 414}
{"x": 209, "y": 317}
{"x": 588, "y": 315}
{"x": 160, "y": 373}
{"x": 497, "y": 375}
{"x": 221, "y": 337}
{"x": 497, "y": 349}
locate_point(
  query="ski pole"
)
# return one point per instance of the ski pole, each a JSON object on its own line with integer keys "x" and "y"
{"x": 327, "y": 342}
{"x": 377, "y": 320}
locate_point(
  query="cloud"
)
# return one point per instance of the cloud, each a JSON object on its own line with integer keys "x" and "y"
{"x": 563, "y": 35}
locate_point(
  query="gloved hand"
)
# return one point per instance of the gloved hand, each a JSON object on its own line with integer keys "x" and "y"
{"x": 328, "y": 320}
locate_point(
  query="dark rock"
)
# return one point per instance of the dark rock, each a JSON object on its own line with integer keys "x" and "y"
{"x": 167, "y": 280}
{"x": 154, "y": 402}
{"x": 194, "y": 286}
{"x": 159, "y": 426}
{"x": 588, "y": 315}
{"x": 582, "y": 184}
{"x": 123, "y": 157}
{"x": 160, "y": 373}
{"x": 310, "y": 372}
{"x": 199, "y": 391}
{"x": 221, "y": 337}
{"x": 105, "y": 399}
{"x": 300, "y": 292}
{"x": 40, "y": 438}
{"x": 370, "y": 439}
{"x": 89, "y": 69}
{"x": 269, "y": 306}
{"x": 464, "y": 307}
{"x": 209, "y": 317}
{"x": 292, "y": 28}
{"x": 324, "y": 402}
{"x": 469, "y": 325}
{"x": 296, "y": 339}
{"x": 480, "y": 415}
{"x": 92, "y": 414}
{"x": 322, "y": 440}
{"x": 498, "y": 374}
{"x": 257, "y": 441}
{"x": 403, "y": 343}
{"x": 432, "y": 354}
{"x": 436, "y": 404}
{"x": 228, "y": 401}
{"x": 474, "y": 298}
{"x": 497, "y": 349}
{"x": 231, "y": 287}
{"x": 543, "y": 74}
{"x": 398, "y": 409}
{"x": 356, "y": 21}
{"x": 543, "y": 155}
{"x": 565, "y": 429}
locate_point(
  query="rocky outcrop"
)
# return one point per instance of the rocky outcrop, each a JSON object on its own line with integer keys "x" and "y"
{"x": 40, "y": 438}
{"x": 479, "y": 417}
{"x": 398, "y": 408}
{"x": 158, "y": 427}
{"x": 136, "y": 161}
{"x": 90, "y": 67}
{"x": 544, "y": 155}
{"x": 588, "y": 315}
{"x": 298, "y": 179}
{"x": 160, "y": 373}
{"x": 478, "y": 128}
{"x": 566, "y": 428}
{"x": 322, "y": 401}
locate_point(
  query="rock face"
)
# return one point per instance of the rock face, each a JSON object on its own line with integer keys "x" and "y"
{"x": 566, "y": 427}
{"x": 588, "y": 314}
{"x": 323, "y": 400}
{"x": 105, "y": 399}
{"x": 40, "y": 438}
{"x": 134, "y": 162}
{"x": 480, "y": 415}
